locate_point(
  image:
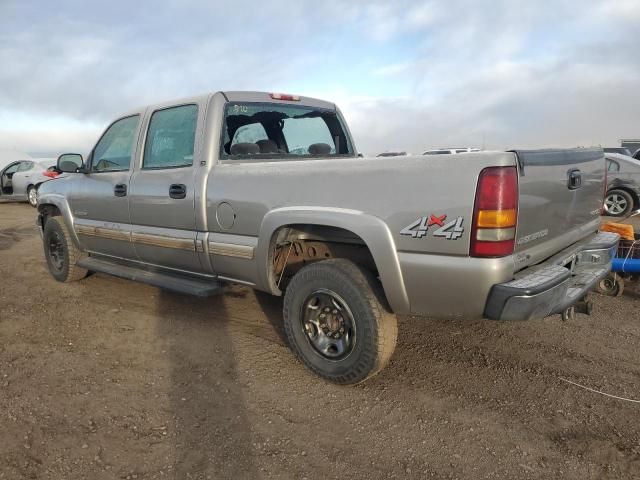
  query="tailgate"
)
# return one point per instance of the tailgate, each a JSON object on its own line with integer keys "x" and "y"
{"x": 561, "y": 194}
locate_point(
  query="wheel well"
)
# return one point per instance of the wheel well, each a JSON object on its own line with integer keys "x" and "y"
{"x": 294, "y": 246}
{"x": 46, "y": 211}
{"x": 630, "y": 191}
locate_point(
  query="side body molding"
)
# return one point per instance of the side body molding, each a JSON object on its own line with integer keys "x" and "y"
{"x": 61, "y": 203}
{"x": 372, "y": 230}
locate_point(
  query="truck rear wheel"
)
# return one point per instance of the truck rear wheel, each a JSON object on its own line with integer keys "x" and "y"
{"x": 337, "y": 321}
{"x": 61, "y": 253}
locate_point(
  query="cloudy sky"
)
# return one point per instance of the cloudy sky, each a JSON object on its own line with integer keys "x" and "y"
{"x": 408, "y": 74}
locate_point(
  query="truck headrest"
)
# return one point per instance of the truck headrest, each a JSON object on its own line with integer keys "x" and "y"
{"x": 319, "y": 149}
{"x": 244, "y": 149}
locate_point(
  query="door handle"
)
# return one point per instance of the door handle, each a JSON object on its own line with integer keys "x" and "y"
{"x": 575, "y": 179}
{"x": 120, "y": 190}
{"x": 178, "y": 191}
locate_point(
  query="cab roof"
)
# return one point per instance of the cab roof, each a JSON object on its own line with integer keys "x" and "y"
{"x": 237, "y": 96}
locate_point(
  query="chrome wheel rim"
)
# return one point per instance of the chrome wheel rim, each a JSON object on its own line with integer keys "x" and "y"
{"x": 615, "y": 204}
{"x": 328, "y": 324}
{"x": 33, "y": 196}
{"x": 56, "y": 251}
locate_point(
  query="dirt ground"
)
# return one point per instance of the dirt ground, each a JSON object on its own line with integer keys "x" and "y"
{"x": 109, "y": 379}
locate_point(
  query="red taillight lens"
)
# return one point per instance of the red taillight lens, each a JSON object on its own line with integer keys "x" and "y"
{"x": 497, "y": 189}
{"x": 495, "y": 213}
{"x": 51, "y": 174}
{"x": 604, "y": 190}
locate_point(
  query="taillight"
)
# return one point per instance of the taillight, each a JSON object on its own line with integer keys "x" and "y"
{"x": 51, "y": 174}
{"x": 495, "y": 213}
{"x": 603, "y": 211}
{"x": 285, "y": 96}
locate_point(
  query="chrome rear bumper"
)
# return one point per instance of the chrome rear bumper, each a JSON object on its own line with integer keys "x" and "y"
{"x": 553, "y": 287}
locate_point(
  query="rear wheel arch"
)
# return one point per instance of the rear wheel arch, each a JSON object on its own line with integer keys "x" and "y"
{"x": 366, "y": 233}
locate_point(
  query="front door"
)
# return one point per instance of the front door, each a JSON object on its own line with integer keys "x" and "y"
{"x": 99, "y": 202}
{"x": 20, "y": 180}
{"x": 162, "y": 196}
{"x": 6, "y": 179}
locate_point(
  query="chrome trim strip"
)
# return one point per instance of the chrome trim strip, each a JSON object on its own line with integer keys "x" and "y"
{"x": 163, "y": 241}
{"x": 231, "y": 250}
{"x": 135, "y": 237}
{"x": 110, "y": 233}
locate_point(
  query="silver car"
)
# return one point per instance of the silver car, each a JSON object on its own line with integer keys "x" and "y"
{"x": 623, "y": 185}
{"x": 20, "y": 180}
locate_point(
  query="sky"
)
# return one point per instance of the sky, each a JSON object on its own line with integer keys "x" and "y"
{"x": 408, "y": 75}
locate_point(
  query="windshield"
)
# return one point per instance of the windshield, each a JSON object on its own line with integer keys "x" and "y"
{"x": 622, "y": 151}
{"x": 280, "y": 131}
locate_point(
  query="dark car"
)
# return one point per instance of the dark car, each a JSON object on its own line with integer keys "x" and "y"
{"x": 391, "y": 154}
{"x": 623, "y": 185}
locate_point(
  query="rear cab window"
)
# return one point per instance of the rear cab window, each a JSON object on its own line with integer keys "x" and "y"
{"x": 277, "y": 131}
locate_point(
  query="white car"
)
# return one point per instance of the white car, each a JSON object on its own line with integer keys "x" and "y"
{"x": 20, "y": 180}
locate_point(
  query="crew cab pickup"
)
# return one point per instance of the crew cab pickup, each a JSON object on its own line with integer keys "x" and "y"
{"x": 268, "y": 190}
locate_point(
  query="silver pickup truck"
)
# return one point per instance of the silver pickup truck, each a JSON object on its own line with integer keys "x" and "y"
{"x": 267, "y": 190}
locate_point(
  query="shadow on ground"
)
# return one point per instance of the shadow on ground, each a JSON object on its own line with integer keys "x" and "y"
{"x": 211, "y": 431}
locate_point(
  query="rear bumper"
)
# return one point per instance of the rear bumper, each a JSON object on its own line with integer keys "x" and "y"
{"x": 553, "y": 286}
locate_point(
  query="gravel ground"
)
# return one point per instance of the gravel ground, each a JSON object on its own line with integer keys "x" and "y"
{"x": 108, "y": 379}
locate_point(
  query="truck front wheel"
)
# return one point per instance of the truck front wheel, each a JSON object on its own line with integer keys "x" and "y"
{"x": 61, "y": 253}
{"x": 337, "y": 321}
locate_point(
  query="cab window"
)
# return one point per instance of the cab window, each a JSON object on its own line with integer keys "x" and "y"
{"x": 171, "y": 138}
{"x": 282, "y": 131}
{"x": 114, "y": 150}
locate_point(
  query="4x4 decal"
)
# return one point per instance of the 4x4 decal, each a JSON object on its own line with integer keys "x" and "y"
{"x": 451, "y": 230}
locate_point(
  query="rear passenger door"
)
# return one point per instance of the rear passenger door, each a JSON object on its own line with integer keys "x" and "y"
{"x": 162, "y": 197}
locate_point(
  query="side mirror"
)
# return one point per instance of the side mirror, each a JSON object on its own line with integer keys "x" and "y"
{"x": 70, "y": 163}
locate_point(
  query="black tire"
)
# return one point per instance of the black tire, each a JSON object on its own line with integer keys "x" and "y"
{"x": 375, "y": 328}
{"x": 618, "y": 203}
{"x": 61, "y": 253}
{"x": 32, "y": 195}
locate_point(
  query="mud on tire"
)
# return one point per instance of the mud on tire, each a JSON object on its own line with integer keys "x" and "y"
{"x": 61, "y": 253}
{"x": 360, "y": 306}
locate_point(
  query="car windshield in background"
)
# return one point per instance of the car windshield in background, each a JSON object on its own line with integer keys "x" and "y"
{"x": 620, "y": 150}
{"x": 391, "y": 154}
{"x": 279, "y": 131}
